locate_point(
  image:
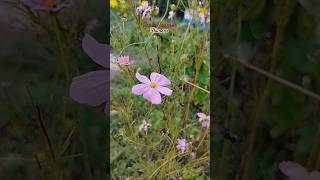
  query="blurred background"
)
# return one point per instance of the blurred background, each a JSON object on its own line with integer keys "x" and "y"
{"x": 260, "y": 120}
{"x": 43, "y": 133}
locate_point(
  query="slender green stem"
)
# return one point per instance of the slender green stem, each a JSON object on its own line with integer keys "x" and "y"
{"x": 61, "y": 48}
{"x": 159, "y": 53}
{"x": 196, "y": 86}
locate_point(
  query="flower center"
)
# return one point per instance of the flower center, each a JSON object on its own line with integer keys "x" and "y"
{"x": 51, "y": 4}
{"x": 153, "y": 84}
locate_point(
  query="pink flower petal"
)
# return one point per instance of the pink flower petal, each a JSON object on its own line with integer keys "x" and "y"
{"x": 193, "y": 155}
{"x": 142, "y": 78}
{"x": 314, "y": 175}
{"x": 90, "y": 88}
{"x": 35, "y": 3}
{"x": 206, "y": 124}
{"x": 164, "y": 90}
{"x": 123, "y": 60}
{"x": 182, "y": 142}
{"x": 161, "y": 80}
{"x": 42, "y": 5}
{"x": 153, "y": 96}
{"x": 295, "y": 178}
{"x": 201, "y": 115}
{"x": 139, "y": 89}
{"x": 292, "y": 169}
{"x": 99, "y": 53}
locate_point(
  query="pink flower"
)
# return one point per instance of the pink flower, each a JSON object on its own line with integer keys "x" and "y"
{"x": 143, "y": 6}
{"x": 202, "y": 17}
{"x": 123, "y": 60}
{"x": 296, "y": 172}
{"x": 145, "y": 10}
{"x": 146, "y": 13}
{"x": 144, "y": 126}
{"x": 45, "y": 5}
{"x": 92, "y": 88}
{"x": 182, "y": 145}
{"x": 204, "y": 119}
{"x": 171, "y": 15}
{"x": 193, "y": 155}
{"x": 139, "y": 10}
{"x": 151, "y": 88}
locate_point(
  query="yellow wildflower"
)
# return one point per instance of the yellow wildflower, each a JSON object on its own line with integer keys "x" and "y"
{"x": 114, "y": 3}
{"x": 202, "y": 10}
{"x": 144, "y": 3}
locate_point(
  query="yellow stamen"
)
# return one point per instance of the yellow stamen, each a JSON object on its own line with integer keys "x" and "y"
{"x": 153, "y": 84}
{"x": 51, "y": 4}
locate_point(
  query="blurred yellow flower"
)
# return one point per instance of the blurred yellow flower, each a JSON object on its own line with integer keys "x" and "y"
{"x": 202, "y": 10}
{"x": 144, "y": 3}
{"x": 114, "y": 3}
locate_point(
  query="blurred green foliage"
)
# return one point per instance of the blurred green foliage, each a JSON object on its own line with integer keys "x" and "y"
{"x": 29, "y": 58}
{"x": 273, "y": 122}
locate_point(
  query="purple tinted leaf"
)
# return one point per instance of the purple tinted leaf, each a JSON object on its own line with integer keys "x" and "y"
{"x": 90, "y": 88}
{"x": 99, "y": 53}
{"x": 292, "y": 169}
{"x": 314, "y": 175}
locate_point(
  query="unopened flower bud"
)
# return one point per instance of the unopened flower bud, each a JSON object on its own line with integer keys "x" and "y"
{"x": 173, "y": 7}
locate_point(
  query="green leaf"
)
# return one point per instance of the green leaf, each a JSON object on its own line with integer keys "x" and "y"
{"x": 294, "y": 54}
{"x": 253, "y": 9}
